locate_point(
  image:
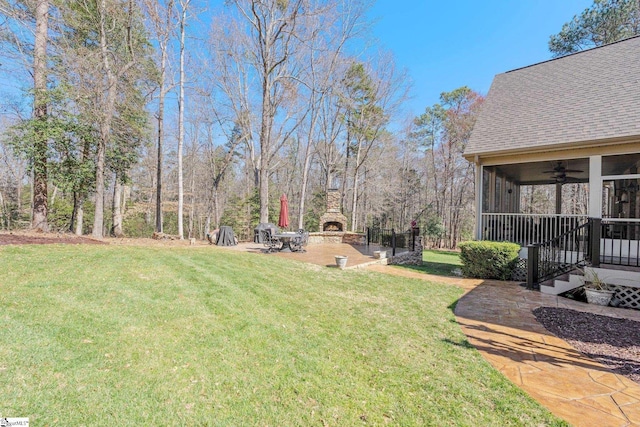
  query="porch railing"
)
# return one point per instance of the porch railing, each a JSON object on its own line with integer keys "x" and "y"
{"x": 561, "y": 254}
{"x": 527, "y": 229}
{"x": 571, "y": 241}
{"x": 620, "y": 242}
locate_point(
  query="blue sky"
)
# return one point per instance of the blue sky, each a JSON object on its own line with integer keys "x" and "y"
{"x": 448, "y": 44}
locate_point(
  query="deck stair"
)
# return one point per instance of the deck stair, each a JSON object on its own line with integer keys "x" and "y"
{"x": 608, "y": 276}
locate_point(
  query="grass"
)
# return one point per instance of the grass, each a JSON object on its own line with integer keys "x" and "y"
{"x": 439, "y": 263}
{"x": 115, "y": 335}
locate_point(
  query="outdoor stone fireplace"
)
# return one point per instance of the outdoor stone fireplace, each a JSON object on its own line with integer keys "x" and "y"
{"x": 333, "y": 220}
{"x": 333, "y": 225}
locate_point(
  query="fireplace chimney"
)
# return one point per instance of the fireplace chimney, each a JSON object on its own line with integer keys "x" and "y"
{"x": 333, "y": 200}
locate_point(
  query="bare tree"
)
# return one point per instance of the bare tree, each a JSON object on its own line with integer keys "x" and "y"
{"x": 24, "y": 34}
{"x": 39, "y": 220}
{"x": 184, "y": 5}
{"x": 161, "y": 16}
{"x": 341, "y": 21}
{"x": 272, "y": 29}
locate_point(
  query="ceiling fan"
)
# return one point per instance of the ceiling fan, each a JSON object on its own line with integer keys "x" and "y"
{"x": 559, "y": 173}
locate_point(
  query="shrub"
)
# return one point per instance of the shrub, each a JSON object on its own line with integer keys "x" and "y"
{"x": 59, "y": 216}
{"x": 488, "y": 260}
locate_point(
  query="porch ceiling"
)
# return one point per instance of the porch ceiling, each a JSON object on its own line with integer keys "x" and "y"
{"x": 534, "y": 173}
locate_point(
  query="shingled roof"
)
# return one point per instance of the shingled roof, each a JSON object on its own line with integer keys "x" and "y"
{"x": 589, "y": 96}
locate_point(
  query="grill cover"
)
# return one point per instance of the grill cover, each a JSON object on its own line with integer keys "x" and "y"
{"x": 226, "y": 236}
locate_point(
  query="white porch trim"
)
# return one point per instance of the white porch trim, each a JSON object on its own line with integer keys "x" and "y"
{"x": 595, "y": 186}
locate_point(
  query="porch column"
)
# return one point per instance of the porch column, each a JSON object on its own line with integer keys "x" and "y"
{"x": 595, "y": 187}
{"x": 479, "y": 196}
{"x": 558, "y": 198}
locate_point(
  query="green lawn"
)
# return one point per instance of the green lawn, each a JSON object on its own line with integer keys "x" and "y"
{"x": 440, "y": 263}
{"x": 118, "y": 335}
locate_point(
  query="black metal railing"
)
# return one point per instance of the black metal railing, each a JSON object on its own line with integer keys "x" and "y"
{"x": 620, "y": 242}
{"x": 393, "y": 239}
{"x": 563, "y": 253}
{"x": 596, "y": 241}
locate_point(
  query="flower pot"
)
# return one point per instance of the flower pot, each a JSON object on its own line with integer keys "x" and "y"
{"x": 598, "y": 297}
{"x": 379, "y": 254}
{"x": 341, "y": 261}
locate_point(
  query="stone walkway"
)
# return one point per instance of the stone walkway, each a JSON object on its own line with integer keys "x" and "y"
{"x": 498, "y": 320}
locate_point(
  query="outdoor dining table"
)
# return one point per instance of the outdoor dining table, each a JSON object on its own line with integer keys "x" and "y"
{"x": 286, "y": 237}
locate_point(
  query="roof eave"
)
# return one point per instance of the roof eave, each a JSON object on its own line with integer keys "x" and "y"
{"x": 476, "y": 157}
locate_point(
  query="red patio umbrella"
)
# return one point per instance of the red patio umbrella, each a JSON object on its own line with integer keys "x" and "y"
{"x": 283, "y": 221}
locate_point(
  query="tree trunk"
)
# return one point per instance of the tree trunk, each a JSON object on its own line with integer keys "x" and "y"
{"x": 126, "y": 195}
{"x": 303, "y": 186}
{"x": 354, "y": 200}
{"x": 354, "y": 207}
{"x": 265, "y": 148}
{"x": 160, "y": 141}
{"x": 183, "y": 19}
{"x": 79, "y": 216}
{"x": 207, "y": 223}
{"x": 344, "y": 175}
{"x": 98, "y": 218}
{"x": 40, "y": 205}
{"x": 105, "y": 126}
{"x": 3, "y": 212}
{"x": 305, "y": 171}
{"x": 192, "y": 210}
{"x": 116, "y": 228}
{"x": 81, "y": 195}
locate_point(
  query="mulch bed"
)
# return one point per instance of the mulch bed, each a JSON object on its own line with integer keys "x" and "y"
{"x": 611, "y": 341}
{"x": 46, "y": 239}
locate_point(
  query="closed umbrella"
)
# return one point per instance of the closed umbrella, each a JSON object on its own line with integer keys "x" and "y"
{"x": 284, "y": 212}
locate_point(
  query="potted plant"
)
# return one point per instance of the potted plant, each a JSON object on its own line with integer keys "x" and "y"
{"x": 379, "y": 254}
{"x": 341, "y": 261}
{"x": 596, "y": 290}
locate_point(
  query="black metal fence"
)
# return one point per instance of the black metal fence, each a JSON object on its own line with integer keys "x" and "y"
{"x": 390, "y": 238}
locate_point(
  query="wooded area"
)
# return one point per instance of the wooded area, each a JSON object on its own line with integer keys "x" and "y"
{"x": 125, "y": 117}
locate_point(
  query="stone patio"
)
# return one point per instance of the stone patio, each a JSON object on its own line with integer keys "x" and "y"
{"x": 498, "y": 320}
{"x": 358, "y": 256}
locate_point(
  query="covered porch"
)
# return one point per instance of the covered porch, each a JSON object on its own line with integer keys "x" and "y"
{"x": 570, "y": 126}
{"x": 558, "y": 198}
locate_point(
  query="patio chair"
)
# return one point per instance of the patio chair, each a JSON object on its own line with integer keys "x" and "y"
{"x": 270, "y": 241}
{"x": 300, "y": 241}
